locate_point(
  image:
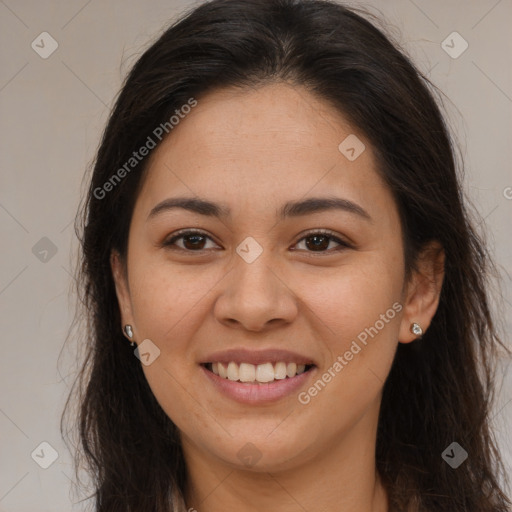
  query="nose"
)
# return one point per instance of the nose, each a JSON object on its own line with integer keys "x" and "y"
{"x": 255, "y": 297}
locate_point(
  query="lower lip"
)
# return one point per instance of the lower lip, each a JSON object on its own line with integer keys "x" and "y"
{"x": 258, "y": 393}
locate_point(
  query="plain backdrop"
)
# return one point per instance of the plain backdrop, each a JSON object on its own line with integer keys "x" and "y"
{"x": 53, "y": 111}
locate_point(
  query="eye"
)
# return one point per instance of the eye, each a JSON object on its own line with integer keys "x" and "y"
{"x": 315, "y": 241}
{"x": 319, "y": 240}
{"x": 193, "y": 240}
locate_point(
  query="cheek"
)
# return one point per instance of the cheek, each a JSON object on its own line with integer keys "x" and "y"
{"x": 166, "y": 298}
{"x": 351, "y": 298}
{"x": 166, "y": 304}
{"x": 357, "y": 314}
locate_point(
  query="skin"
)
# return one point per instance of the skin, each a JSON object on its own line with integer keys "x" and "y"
{"x": 253, "y": 150}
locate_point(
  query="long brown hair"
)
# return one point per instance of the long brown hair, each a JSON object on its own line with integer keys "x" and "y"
{"x": 439, "y": 389}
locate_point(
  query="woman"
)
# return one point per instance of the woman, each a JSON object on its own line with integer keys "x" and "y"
{"x": 286, "y": 300}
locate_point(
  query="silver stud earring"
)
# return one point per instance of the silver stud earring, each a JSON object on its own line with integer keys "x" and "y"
{"x": 129, "y": 332}
{"x": 416, "y": 329}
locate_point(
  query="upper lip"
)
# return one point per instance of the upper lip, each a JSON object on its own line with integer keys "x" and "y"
{"x": 255, "y": 357}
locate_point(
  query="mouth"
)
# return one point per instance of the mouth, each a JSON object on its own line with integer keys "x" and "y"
{"x": 256, "y": 385}
{"x": 266, "y": 373}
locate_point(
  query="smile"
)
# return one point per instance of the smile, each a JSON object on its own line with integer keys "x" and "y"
{"x": 259, "y": 386}
{"x": 261, "y": 373}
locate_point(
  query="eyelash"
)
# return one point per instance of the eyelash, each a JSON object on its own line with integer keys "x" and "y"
{"x": 180, "y": 234}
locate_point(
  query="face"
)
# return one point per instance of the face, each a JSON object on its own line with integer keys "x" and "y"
{"x": 270, "y": 270}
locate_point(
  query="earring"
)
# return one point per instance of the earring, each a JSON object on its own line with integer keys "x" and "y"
{"x": 416, "y": 329}
{"x": 129, "y": 332}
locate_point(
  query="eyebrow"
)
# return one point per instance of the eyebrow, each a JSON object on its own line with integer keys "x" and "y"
{"x": 289, "y": 209}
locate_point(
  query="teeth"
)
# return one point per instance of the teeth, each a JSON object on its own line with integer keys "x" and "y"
{"x": 263, "y": 373}
{"x": 247, "y": 372}
{"x": 233, "y": 372}
{"x": 291, "y": 369}
{"x": 280, "y": 371}
{"x": 223, "y": 371}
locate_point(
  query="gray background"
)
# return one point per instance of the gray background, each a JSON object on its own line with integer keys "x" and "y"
{"x": 52, "y": 113}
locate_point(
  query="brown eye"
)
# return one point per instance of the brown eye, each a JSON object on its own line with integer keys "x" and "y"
{"x": 320, "y": 241}
{"x": 191, "y": 241}
{"x": 317, "y": 242}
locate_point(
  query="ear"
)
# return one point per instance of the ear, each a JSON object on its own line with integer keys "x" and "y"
{"x": 120, "y": 276}
{"x": 423, "y": 290}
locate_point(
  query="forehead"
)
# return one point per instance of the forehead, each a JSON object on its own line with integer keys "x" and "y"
{"x": 245, "y": 120}
{"x": 257, "y": 145}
